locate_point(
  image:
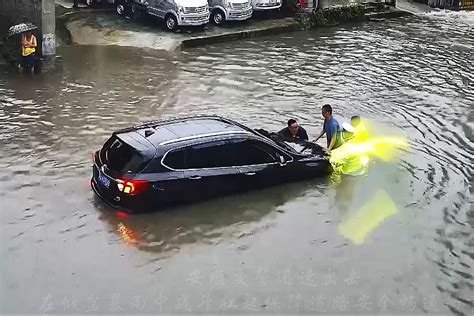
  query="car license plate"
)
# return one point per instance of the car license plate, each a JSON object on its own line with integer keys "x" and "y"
{"x": 104, "y": 180}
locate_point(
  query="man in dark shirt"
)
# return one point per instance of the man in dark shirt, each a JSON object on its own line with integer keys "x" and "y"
{"x": 293, "y": 132}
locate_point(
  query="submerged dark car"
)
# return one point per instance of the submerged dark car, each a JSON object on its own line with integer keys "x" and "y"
{"x": 156, "y": 164}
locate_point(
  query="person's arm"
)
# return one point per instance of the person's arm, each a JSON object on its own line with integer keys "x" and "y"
{"x": 333, "y": 130}
{"x": 333, "y": 142}
{"x": 285, "y": 132}
{"x": 320, "y": 135}
{"x": 304, "y": 134}
{"x": 33, "y": 41}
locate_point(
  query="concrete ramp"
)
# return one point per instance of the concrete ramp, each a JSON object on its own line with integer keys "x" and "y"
{"x": 95, "y": 27}
{"x": 413, "y": 7}
{"x": 105, "y": 28}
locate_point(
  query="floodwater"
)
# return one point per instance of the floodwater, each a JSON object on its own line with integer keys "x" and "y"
{"x": 278, "y": 250}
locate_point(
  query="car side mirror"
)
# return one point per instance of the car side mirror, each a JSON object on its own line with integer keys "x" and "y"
{"x": 281, "y": 160}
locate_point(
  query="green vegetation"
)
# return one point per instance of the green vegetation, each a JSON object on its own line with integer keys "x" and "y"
{"x": 338, "y": 15}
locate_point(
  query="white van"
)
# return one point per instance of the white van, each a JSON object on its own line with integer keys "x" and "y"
{"x": 230, "y": 10}
{"x": 175, "y": 13}
{"x": 93, "y": 2}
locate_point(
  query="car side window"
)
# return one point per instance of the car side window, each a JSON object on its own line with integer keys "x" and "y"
{"x": 176, "y": 159}
{"x": 251, "y": 152}
{"x": 208, "y": 155}
{"x": 229, "y": 153}
{"x": 218, "y": 154}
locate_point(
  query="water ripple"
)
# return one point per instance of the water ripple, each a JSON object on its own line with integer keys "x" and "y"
{"x": 415, "y": 74}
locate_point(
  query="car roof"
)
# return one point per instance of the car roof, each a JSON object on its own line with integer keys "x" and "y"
{"x": 170, "y": 131}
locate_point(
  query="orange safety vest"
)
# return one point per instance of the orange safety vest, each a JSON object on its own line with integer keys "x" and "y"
{"x": 26, "y": 51}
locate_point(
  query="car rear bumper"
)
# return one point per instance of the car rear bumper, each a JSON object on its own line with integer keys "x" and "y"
{"x": 129, "y": 204}
{"x": 102, "y": 196}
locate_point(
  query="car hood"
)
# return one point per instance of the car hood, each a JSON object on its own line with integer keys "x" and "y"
{"x": 191, "y": 3}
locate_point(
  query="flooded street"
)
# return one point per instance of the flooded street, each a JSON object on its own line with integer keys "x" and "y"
{"x": 276, "y": 250}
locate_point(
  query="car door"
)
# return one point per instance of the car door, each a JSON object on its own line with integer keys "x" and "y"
{"x": 157, "y": 7}
{"x": 259, "y": 164}
{"x": 208, "y": 171}
{"x": 166, "y": 184}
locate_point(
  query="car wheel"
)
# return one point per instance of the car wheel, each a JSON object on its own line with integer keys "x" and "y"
{"x": 90, "y": 3}
{"x": 218, "y": 17}
{"x": 120, "y": 8}
{"x": 170, "y": 22}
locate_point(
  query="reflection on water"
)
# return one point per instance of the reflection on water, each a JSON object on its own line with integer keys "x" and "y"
{"x": 368, "y": 217}
{"x": 414, "y": 74}
{"x": 208, "y": 222}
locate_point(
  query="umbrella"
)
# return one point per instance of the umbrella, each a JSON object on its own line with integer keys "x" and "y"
{"x": 21, "y": 28}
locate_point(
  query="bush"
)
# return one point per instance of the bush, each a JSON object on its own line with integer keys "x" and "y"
{"x": 337, "y": 15}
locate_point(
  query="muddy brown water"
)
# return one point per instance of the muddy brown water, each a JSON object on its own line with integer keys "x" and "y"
{"x": 275, "y": 250}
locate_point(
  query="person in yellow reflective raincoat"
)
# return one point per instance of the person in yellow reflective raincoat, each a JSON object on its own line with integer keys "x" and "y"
{"x": 351, "y": 163}
{"x": 360, "y": 145}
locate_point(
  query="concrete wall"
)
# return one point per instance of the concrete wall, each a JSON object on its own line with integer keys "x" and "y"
{"x": 39, "y": 12}
{"x": 17, "y": 11}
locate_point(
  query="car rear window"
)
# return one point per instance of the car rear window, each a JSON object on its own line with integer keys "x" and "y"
{"x": 122, "y": 157}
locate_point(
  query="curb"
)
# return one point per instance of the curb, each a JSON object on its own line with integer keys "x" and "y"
{"x": 204, "y": 40}
{"x": 387, "y": 14}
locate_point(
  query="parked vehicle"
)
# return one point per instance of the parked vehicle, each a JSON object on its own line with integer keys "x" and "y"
{"x": 160, "y": 163}
{"x": 263, "y": 5}
{"x": 94, "y": 2}
{"x": 229, "y": 10}
{"x": 175, "y": 13}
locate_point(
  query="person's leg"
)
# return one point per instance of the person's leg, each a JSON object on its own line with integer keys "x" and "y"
{"x": 31, "y": 63}
{"x": 22, "y": 63}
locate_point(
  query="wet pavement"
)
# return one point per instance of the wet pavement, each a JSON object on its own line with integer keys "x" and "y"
{"x": 413, "y": 7}
{"x": 275, "y": 250}
{"x": 105, "y": 28}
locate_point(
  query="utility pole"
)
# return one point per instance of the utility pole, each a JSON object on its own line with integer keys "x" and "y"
{"x": 48, "y": 28}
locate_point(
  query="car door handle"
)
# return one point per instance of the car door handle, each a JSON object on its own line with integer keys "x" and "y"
{"x": 157, "y": 188}
{"x": 194, "y": 177}
{"x": 250, "y": 173}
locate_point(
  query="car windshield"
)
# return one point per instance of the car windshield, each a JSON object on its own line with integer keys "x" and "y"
{"x": 290, "y": 146}
{"x": 122, "y": 158}
{"x": 280, "y": 142}
{"x": 300, "y": 147}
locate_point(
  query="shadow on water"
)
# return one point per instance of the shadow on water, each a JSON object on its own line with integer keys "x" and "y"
{"x": 207, "y": 222}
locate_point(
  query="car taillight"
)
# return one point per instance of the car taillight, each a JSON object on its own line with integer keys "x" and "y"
{"x": 132, "y": 186}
